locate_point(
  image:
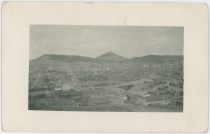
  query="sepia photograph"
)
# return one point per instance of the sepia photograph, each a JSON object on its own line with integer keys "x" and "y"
{"x": 106, "y": 68}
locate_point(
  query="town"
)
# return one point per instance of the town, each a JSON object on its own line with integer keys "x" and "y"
{"x": 147, "y": 84}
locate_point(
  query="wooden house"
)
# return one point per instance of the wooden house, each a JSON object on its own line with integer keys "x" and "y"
{"x": 156, "y": 100}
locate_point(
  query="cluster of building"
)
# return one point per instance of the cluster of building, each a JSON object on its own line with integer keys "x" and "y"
{"x": 162, "y": 95}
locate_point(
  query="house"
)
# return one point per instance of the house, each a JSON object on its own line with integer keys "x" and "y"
{"x": 147, "y": 80}
{"x": 66, "y": 87}
{"x": 145, "y": 94}
{"x": 58, "y": 88}
{"x": 126, "y": 87}
{"x": 99, "y": 101}
{"x": 134, "y": 98}
{"x": 156, "y": 100}
{"x": 177, "y": 101}
{"x": 179, "y": 93}
{"x": 73, "y": 94}
{"x": 83, "y": 102}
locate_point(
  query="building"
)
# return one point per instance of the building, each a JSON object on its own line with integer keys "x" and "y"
{"x": 58, "y": 88}
{"x": 177, "y": 101}
{"x": 156, "y": 100}
{"x": 134, "y": 98}
{"x": 66, "y": 87}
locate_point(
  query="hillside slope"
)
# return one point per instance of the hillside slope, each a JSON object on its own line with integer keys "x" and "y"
{"x": 54, "y": 70}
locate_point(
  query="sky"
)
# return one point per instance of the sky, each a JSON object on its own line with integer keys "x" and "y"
{"x": 93, "y": 41}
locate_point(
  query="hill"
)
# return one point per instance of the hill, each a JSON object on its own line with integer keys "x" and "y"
{"x": 65, "y": 58}
{"x": 55, "y": 70}
{"x": 157, "y": 58}
{"x": 111, "y": 57}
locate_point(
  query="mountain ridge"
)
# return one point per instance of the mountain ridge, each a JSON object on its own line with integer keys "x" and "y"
{"x": 107, "y": 57}
{"x": 51, "y": 56}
